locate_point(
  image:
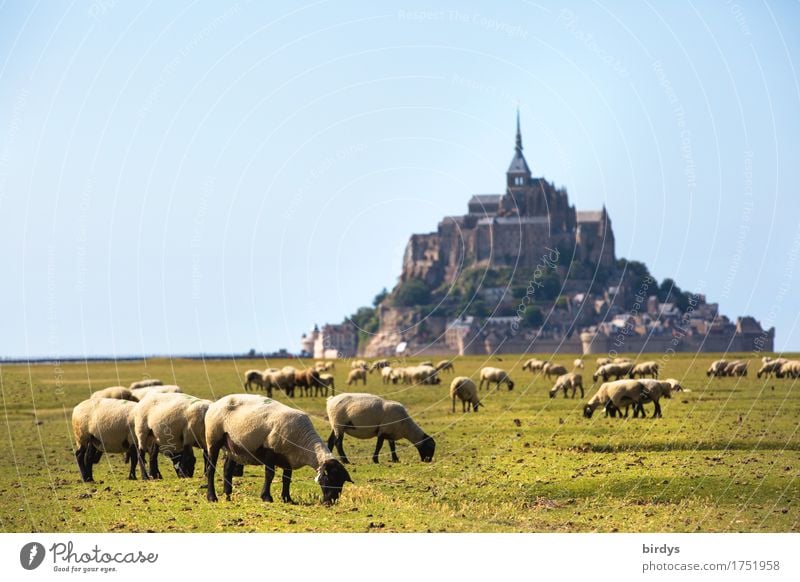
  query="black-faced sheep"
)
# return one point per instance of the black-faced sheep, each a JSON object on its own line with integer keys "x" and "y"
{"x": 465, "y": 390}
{"x": 498, "y": 376}
{"x": 104, "y": 425}
{"x": 366, "y": 416}
{"x": 306, "y": 380}
{"x": 261, "y": 431}
{"x": 567, "y": 381}
{"x": 717, "y": 368}
{"x": 171, "y": 424}
{"x": 534, "y": 365}
{"x": 645, "y": 369}
{"x": 378, "y": 364}
{"x": 324, "y": 383}
{"x": 257, "y": 378}
{"x": 550, "y": 369}
{"x": 615, "y": 395}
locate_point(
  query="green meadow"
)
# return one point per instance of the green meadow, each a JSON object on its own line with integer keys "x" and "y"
{"x": 724, "y": 458}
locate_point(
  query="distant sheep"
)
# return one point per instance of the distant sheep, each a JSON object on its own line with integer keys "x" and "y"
{"x": 534, "y": 365}
{"x": 645, "y": 369}
{"x": 325, "y": 366}
{"x": 550, "y": 369}
{"x": 325, "y": 381}
{"x": 770, "y": 366}
{"x": 423, "y": 374}
{"x": 445, "y": 366}
{"x": 789, "y": 369}
{"x": 356, "y": 364}
{"x": 498, "y": 376}
{"x": 378, "y": 365}
{"x": 608, "y": 370}
{"x": 614, "y": 395}
{"x": 366, "y": 416}
{"x": 255, "y": 377}
{"x": 465, "y": 390}
{"x": 261, "y": 431}
{"x": 145, "y": 384}
{"x": 577, "y": 363}
{"x": 118, "y": 392}
{"x": 567, "y": 381}
{"x": 357, "y": 374}
{"x": 717, "y": 368}
{"x": 603, "y": 361}
{"x": 306, "y": 381}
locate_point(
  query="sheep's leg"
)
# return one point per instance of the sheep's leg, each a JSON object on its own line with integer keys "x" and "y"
{"x": 205, "y": 462}
{"x": 154, "y": 472}
{"x": 269, "y": 474}
{"x": 227, "y": 477}
{"x": 140, "y": 453}
{"x": 80, "y": 458}
{"x": 286, "y": 479}
{"x": 657, "y": 413}
{"x": 395, "y": 458}
{"x": 88, "y": 461}
{"x": 377, "y": 448}
{"x": 340, "y": 449}
{"x": 213, "y": 456}
{"x": 133, "y": 456}
{"x": 454, "y": 405}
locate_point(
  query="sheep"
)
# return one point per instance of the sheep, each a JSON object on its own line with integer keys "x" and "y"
{"x": 608, "y": 370}
{"x": 494, "y": 375}
{"x": 717, "y": 368}
{"x": 325, "y": 381}
{"x": 550, "y": 369}
{"x": 118, "y": 392}
{"x": 256, "y": 377}
{"x": 770, "y": 366}
{"x": 614, "y": 395}
{"x": 378, "y": 364}
{"x": 603, "y": 361}
{"x": 577, "y": 364}
{"x": 653, "y": 392}
{"x": 142, "y": 393}
{"x": 426, "y": 363}
{"x": 260, "y": 431}
{"x": 737, "y": 368}
{"x": 445, "y": 366}
{"x": 145, "y": 384}
{"x": 676, "y": 385}
{"x": 280, "y": 381}
{"x": 423, "y": 374}
{"x": 104, "y": 425}
{"x": 621, "y": 361}
{"x": 355, "y": 364}
{"x": 645, "y": 369}
{"x": 325, "y": 366}
{"x": 355, "y": 375}
{"x": 172, "y": 424}
{"x": 464, "y": 388}
{"x": 365, "y": 416}
{"x": 307, "y": 380}
{"x": 789, "y": 369}
{"x": 566, "y": 381}
{"x": 534, "y": 365}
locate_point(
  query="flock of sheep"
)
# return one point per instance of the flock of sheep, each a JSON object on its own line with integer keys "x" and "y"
{"x": 148, "y": 418}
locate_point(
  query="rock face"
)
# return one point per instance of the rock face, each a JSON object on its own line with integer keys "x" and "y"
{"x": 523, "y": 271}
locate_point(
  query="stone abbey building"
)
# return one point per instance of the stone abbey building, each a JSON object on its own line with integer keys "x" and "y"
{"x": 487, "y": 257}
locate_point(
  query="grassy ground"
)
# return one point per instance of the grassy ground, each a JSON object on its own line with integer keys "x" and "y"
{"x": 725, "y": 457}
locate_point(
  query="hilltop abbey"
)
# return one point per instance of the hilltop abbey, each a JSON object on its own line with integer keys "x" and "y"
{"x": 524, "y": 271}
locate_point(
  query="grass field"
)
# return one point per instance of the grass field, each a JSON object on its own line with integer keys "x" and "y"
{"x": 725, "y": 458}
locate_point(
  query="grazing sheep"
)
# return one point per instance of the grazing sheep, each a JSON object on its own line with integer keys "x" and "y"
{"x": 603, "y": 361}
{"x": 645, "y": 369}
{"x": 365, "y": 416}
{"x": 325, "y": 366}
{"x": 118, "y": 392}
{"x": 617, "y": 370}
{"x": 615, "y": 395}
{"x": 770, "y": 366}
{"x": 494, "y": 375}
{"x": 145, "y": 384}
{"x": 565, "y": 382}
{"x": 325, "y": 381}
{"x": 445, "y": 366}
{"x": 280, "y": 381}
{"x": 550, "y": 369}
{"x": 423, "y": 374}
{"x": 464, "y": 388}
{"x": 306, "y": 380}
{"x": 378, "y": 365}
{"x": 104, "y": 425}
{"x": 256, "y": 377}
{"x": 172, "y": 424}
{"x": 789, "y": 369}
{"x": 355, "y": 375}
{"x": 717, "y": 368}
{"x": 653, "y": 392}
{"x": 534, "y": 365}
{"x": 676, "y": 385}
{"x": 261, "y": 431}
{"x": 577, "y": 364}
{"x": 737, "y": 368}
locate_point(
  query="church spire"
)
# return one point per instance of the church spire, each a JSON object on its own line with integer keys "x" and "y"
{"x": 518, "y": 172}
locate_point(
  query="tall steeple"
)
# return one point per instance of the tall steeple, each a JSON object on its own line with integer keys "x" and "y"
{"x": 518, "y": 172}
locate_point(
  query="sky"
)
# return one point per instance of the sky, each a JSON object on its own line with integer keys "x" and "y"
{"x": 192, "y": 177}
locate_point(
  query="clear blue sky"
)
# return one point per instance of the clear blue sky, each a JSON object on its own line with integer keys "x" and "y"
{"x": 186, "y": 177}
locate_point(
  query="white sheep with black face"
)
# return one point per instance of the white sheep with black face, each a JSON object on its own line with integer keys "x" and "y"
{"x": 491, "y": 375}
{"x": 171, "y": 424}
{"x": 567, "y": 381}
{"x": 613, "y": 396}
{"x": 256, "y": 430}
{"x": 104, "y": 425}
{"x": 366, "y": 416}
{"x": 644, "y": 369}
{"x": 465, "y": 390}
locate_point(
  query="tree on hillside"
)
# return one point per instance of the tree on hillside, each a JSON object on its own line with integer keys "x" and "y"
{"x": 412, "y": 293}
